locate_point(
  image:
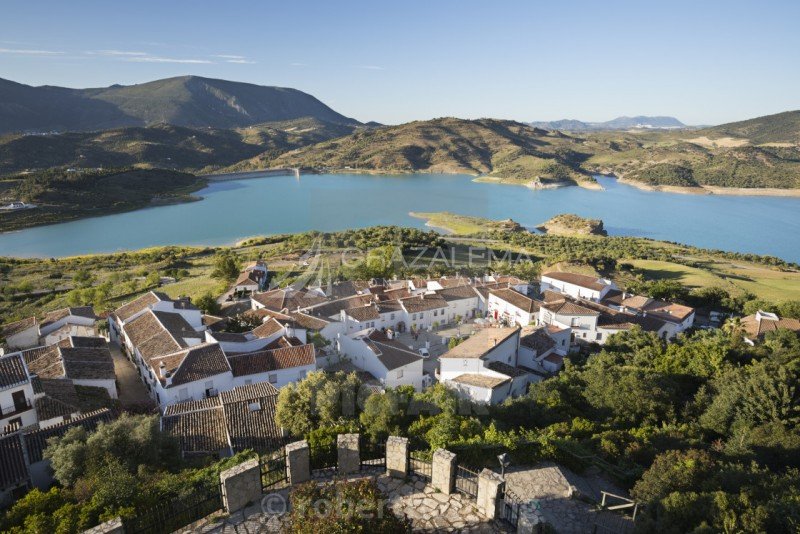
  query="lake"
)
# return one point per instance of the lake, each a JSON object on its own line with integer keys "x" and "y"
{"x": 231, "y": 210}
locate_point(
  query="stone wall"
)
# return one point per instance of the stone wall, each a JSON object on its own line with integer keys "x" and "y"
{"x": 443, "y": 471}
{"x": 298, "y": 462}
{"x": 490, "y": 484}
{"x": 241, "y": 485}
{"x": 348, "y": 454}
{"x": 397, "y": 457}
{"x": 114, "y": 526}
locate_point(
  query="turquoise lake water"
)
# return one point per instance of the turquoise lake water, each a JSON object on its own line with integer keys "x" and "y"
{"x": 232, "y": 210}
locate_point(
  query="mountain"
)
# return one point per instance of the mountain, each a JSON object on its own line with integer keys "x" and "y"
{"x": 162, "y": 146}
{"x": 779, "y": 128}
{"x": 504, "y": 150}
{"x": 620, "y": 123}
{"x": 189, "y": 101}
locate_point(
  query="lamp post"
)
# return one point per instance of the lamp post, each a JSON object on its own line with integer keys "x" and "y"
{"x": 504, "y": 462}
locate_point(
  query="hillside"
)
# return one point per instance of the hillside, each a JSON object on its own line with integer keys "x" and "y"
{"x": 778, "y": 128}
{"x": 189, "y": 101}
{"x": 61, "y": 195}
{"x": 161, "y": 146}
{"x": 505, "y": 150}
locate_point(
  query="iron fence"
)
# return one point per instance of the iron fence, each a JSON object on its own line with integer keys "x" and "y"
{"x": 169, "y": 516}
{"x": 273, "y": 469}
{"x": 324, "y": 458}
{"x": 466, "y": 482}
{"x": 508, "y": 504}
{"x": 420, "y": 466}
{"x": 373, "y": 454}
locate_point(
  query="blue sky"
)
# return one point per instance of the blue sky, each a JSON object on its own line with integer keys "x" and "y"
{"x": 705, "y": 62}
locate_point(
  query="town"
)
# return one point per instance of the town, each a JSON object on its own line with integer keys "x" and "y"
{"x": 216, "y": 388}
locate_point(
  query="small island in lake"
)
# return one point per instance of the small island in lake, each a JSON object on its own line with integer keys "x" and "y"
{"x": 571, "y": 224}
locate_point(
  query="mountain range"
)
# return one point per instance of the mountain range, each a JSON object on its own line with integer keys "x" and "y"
{"x": 620, "y": 123}
{"x": 189, "y": 101}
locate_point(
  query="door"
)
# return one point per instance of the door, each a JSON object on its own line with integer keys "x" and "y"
{"x": 20, "y": 401}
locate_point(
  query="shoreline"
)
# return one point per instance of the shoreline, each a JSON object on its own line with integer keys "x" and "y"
{"x": 711, "y": 189}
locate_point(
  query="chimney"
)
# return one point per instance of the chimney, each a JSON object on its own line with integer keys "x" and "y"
{"x": 162, "y": 370}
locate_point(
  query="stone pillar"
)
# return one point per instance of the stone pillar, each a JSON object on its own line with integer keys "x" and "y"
{"x": 349, "y": 454}
{"x": 298, "y": 462}
{"x": 443, "y": 471}
{"x": 530, "y": 519}
{"x": 241, "y": 485}
{"x": 489, "y": 486}
{"x": 113, "y": 526}
{"x": 397, "y": 457}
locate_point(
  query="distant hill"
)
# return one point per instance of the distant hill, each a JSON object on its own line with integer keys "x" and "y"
{"x": 779, "y": 128}
{"x": 189, "y": 101}
{"x": 162, "y": 146}
{"x": 506, "y": 150}
{"x": 620, "y": 123}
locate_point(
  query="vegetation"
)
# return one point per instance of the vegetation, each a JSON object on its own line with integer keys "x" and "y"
{"x": 464, "y": 224}
{"x": 570, "y": 224}
{"x": 124, "y": 466}
{"x": 62, "y": 195}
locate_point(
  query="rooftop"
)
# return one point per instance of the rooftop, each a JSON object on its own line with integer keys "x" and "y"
{"x": 589, "y": 282}
{"x": 480, "y": 380}
{"x": 481, "y": 343}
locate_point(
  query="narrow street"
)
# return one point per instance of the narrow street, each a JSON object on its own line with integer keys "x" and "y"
{"x": 132, "y": 393}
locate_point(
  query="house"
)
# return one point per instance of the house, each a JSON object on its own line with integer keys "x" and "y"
{"x": 22, "y": 334}
{"x": 153, "y": 301}
{"x": 85, "y": 361}
{"x": 576, "y": 285}
{"x": 287, "y": 299}
{"x": 388, "y": 360}
{"x": 484, "y": 367}
{"x": 277, "y": 366}
{"x": 236, "y": 420}
{"x": 258, "y": 270}
{"x": 256, "y": 339}
{"x": 424, "y": 311}
{"x": 78, "y": 320}
{"x": 512, "y": 307}
{"x": 248, "y": 282}
{"x": 677, "y": 317}
{"x": 756, "y": 326}
{"x": 538, "y": 351}
{"x": 16, "y": 393}
{"x": 463, "y": 301}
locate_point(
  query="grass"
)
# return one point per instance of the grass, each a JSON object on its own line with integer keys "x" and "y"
{"x": 736, "y": 277}
{"x": 463, "y": 224}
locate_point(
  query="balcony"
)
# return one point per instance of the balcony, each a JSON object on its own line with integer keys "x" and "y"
{"x": 15, "y": 409}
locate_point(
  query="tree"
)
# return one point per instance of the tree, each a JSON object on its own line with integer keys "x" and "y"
{"x": 226, "y": 266}
{"x": 153, "y": 280}
{"x": 674, "y": 471}
{"x": 383, "y": 413}
{"x": 320, "y": 399}
{"x": 133, "y": 440}
{"x": 208, "y": 304}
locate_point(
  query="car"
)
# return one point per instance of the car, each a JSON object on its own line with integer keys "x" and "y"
{"x": 425, "y": 353}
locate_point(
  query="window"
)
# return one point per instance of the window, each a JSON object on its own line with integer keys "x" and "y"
{"x": 413, "y": 316}
{"x": 399, "y": 373}
{"x": 435, "y": 313}
{"x": 392, "y": 317}
{"x": 421, "y": 315}
{"x": 248, "y": 382}
{"x": 599, "y": 336}
{"x": 301, "y": 375}
{"x": 273, "y": 378}
{"x": 254, "y": 406}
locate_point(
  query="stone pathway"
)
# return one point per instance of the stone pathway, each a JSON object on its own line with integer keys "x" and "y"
{"x": 552, "y": 490}
{"x": 427, "y": 509}
{"x": 131, "y": 390}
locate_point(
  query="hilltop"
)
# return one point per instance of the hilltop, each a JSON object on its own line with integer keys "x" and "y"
{"x": 778, "y": 128}
{"x": 190, "y": 101}
{"x": 506, "y": 150}
{"x": 620, "y": 123}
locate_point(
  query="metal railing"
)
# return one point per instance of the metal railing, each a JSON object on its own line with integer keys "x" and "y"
{"x": 508, "y": 505}
{"x": 324, "y": 459}
{"x": 420, "y": 466}
{"x": 466, "y": 482}
{"x": 273, "y": 469}
{"x": 170, "y": 516}
{"x": 373, "y": 454}
{"x": 18, "y": 407}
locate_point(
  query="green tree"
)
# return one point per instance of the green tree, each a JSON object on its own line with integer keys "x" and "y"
{"x": 320, "y": 399}
{"x": 208, "y": 304}
{"x": 674, "y": 471}
{"x": 226, "y": 266}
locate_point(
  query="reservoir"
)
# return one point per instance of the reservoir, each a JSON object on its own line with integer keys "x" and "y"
{"x": 235, "y": 209}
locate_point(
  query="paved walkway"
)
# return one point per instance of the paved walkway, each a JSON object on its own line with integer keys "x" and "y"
{"x": 427, "y": 509}
{"x": 131, "y": 390}
{"x": 553, "y": 489}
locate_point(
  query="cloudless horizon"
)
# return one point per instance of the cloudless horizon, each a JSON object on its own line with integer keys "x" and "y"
{"x": 701, "y": 62}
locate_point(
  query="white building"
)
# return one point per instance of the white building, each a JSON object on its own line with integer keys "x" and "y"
{"x": 576, "y": 285}
{"x": 16, "y": 394}
{"x": 677, "y": 318}
{"x": 277, "y": 366}
{"x": 22, "y": 334}
{"x": 484, "y": 368}
{"x": 155, "y": 301}
{"x": 391, "y": 362}
{"x": 512, "y": 308}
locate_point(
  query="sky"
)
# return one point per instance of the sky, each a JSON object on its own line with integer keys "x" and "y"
{"x": 704, "y": 62}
